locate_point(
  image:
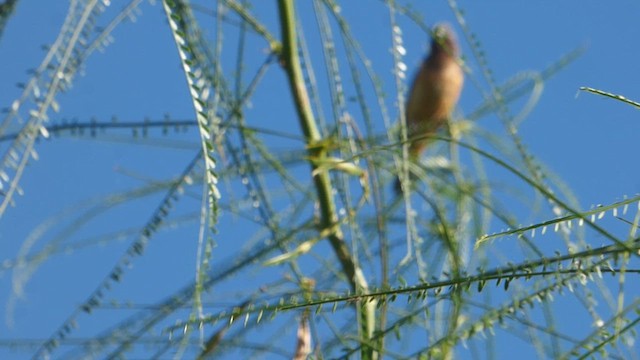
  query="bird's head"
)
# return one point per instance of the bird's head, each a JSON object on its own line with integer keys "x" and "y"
{"x": 443, "y": 40}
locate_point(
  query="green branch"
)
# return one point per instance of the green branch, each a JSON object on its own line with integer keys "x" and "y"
{"x": 322, "y": 181}
{"x": 610, "y": 95}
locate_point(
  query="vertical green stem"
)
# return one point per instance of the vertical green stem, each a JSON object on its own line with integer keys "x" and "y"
{"x": 321, "y": 179}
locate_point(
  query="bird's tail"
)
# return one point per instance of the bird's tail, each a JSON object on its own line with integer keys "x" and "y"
{"x": 397, "y": 186}
{"x": 413, "y": 157}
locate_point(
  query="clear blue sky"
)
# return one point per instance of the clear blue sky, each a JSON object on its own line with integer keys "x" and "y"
{"x": 590, "y": 142}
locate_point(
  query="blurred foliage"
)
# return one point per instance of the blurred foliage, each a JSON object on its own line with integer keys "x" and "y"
{"x": 448, "y": 271}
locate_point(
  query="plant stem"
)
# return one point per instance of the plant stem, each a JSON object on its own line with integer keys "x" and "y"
{"x": 322, "y": 181}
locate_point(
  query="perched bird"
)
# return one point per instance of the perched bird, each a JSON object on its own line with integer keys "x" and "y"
{"x": 434, "y": 92}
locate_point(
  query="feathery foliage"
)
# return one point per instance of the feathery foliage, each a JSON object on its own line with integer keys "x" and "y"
{"x": 290, "y": 173}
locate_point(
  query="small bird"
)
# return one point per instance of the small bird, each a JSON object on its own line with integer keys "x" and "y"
{"x": 434, "y": 92}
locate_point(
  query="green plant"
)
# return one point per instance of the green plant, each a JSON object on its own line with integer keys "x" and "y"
{"x": 326, "y": 249}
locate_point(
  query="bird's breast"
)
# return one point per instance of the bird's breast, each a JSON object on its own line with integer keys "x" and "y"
{"x": 434, "y": 94}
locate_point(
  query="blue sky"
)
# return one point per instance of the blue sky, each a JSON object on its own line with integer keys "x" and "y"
{"x": 588, "y": 141}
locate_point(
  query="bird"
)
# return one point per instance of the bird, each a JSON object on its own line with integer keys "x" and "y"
{"x": 434, "y": 92}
